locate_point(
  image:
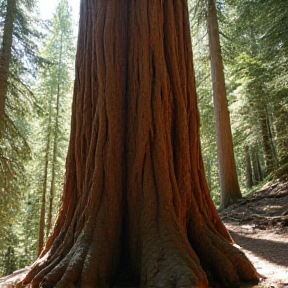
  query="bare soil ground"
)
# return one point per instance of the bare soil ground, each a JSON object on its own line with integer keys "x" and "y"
{"x": 259, "y": 225}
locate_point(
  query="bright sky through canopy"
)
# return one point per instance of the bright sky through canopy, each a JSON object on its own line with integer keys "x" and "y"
{"x": 48, "y": 7}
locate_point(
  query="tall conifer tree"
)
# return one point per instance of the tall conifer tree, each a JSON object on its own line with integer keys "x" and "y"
{"x": 135, "y": 200}
{"x": 56, "y": 87}
{"x": 230, "y": 190}
{"x": 18, "y": 63}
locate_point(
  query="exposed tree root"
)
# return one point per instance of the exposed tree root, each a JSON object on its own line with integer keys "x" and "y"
{"x": 168, "y": 261}
{"x": 226, "y": 263}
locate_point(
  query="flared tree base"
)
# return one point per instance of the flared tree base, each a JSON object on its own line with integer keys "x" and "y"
{"x": 167, "y": 259}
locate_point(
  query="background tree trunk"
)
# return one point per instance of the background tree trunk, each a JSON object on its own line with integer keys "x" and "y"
{"x": 5, "y": 58}
{"x": 9, "y": 260}
{"x": 230, "y": 190}
{"x": 45, "y": 178}
{"x": 249, "y": 177}
{"x": 55, "y": 142}
{"x": 135, "y": 199}
{"x": 43, "y": 199}
{"x": 281, "y": 130}
{"x": 257, "y": 171}
{"x": 266, "y": 140}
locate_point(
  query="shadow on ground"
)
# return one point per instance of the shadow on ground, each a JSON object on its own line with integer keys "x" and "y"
{"x": 270, "y": 250}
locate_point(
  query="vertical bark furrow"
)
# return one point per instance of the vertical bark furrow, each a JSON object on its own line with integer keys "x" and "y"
{"x": 226, "y": 263}
{"x": 176, "y": 57}
{"x": 40, "y": 271}
{"x": 69, "y": 269}
{"x": 81, "y": 106}
{"x": 139, "y": 124}
{"x": 182, "y": 57}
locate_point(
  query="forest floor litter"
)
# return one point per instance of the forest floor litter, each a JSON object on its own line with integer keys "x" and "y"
{"x": 258, "y": 223}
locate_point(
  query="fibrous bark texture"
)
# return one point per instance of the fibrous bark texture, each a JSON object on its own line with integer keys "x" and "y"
{"x": 135, "y": 200}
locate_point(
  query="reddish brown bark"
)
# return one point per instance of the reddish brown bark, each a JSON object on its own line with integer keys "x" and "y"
{"x": 135, "y": 199}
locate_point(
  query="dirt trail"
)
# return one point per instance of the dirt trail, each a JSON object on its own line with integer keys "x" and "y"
{"x": 259, "y": 225}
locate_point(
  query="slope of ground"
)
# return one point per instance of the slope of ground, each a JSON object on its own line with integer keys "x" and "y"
{"x": 259, "y": 225}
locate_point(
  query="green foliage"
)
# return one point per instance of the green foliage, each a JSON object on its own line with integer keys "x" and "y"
{"x": 14, "y": 148}
{"x": 254, "y": 50}
{"x": 24, "y": 143}
{"x": 51, "y": 128}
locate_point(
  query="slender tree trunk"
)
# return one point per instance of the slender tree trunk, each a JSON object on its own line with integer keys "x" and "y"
{"x": 249, "y": 177}
{"x": 209, "y": 173}
{"x": 52, "y": 183}
{"x": 55, "y": 146}
{"x": 5, "y": 58}
{"x": 281, "y": 116}
{"x": 230, "y": 190}
{"x": 257, "y": 171}
{"x": 266, "y": 141}
{"x": 135, "y": 200}
{"x": 9, "y": 261}
{"x": 44, "y": 185}
{"x": 260, "y": 106}
{"x": 43, "y": 201}
{"x": 271, "y": 137}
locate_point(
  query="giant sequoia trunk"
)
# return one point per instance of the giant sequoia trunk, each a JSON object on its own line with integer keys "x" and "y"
{"x": 135, "y": 199}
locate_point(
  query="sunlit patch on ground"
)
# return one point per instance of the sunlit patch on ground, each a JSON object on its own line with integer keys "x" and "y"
{"x": 259, "y": 225}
